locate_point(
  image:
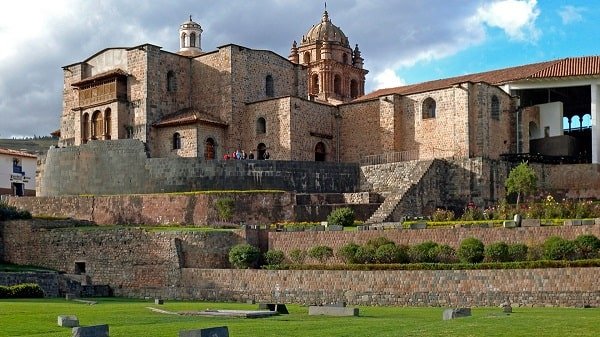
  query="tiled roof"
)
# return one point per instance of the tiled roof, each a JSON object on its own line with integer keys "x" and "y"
{"x": 101, "y": 76}
{"x": 188, "y": 116}
{"x": 16, "y": 153}
{"x": 568, "y": 67}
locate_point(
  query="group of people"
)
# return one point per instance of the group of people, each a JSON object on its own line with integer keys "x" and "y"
{"x": 241, "y": 155}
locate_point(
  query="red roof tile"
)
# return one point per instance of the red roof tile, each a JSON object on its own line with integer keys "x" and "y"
{"x": 16, "y": 153}
{"x": 188, "y": 116}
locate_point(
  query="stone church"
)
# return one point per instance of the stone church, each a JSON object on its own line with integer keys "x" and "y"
{"x": 184, "y": 111}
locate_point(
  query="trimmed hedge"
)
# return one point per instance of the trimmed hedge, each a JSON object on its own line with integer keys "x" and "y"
{"x": 244, "y": 256}
{"x": 471, "y": 250}
{"x": 24, "y": 290}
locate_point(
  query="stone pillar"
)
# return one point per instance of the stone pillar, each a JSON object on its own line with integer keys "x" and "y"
{"x": 595, "y": 112}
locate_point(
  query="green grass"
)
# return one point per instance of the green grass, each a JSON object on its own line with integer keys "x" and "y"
{"x": 5, "y": 267}
{"x": 128, "y": 318}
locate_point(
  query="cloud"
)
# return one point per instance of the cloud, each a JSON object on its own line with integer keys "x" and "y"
{"x": 571, "y": 14}
{"x": 515, "y": 17}
{"x": 387, "y": 79}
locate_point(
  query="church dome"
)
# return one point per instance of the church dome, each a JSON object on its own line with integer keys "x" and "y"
{"x": 325, "y": 31}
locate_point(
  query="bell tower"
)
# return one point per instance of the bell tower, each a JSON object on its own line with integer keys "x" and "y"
{"x": 190, "y": 38}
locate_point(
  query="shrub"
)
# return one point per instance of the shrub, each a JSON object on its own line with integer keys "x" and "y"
{"x": 423, "y": 252}
{"x": 380, "y": 241}
{"x": 12, "y": 213}
{"x": 557, "y": 248}
{"x": 496, "y": 252}
{"x": 390, "y": 253}
{"x": 471, "y": 251}
{"x": 366, "y": 254}
{"x": 588, "y": 246}
{"x": 472, "y": 214}
{"x": 442, "y": 215}
{"x": 347, "y": 252}
{"x": 24, "y": 290}
{"x": 274, "y": 258}
{"x": 225, "y": 208}
{"x": 343, "y": 216}
{"x": 297, "y": 256}
{"x": 244, "y": 256}
{"x": 517, "y": 252}
{"x": 535, "y": 252}
{"x": 320, "y": 253}
{"x": 444, "y": 254}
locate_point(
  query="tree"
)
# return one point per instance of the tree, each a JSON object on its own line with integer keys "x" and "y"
{"x": 521, "y": 180}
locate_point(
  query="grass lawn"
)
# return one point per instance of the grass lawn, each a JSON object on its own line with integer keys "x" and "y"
{"x": 131, "y": 318}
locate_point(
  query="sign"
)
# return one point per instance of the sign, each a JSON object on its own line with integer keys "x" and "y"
{"x": 17, "y": 178}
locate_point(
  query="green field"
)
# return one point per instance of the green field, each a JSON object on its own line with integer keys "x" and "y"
{"x": 131, "y": 318}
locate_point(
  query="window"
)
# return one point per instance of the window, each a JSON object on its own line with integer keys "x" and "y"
{"x": 353, "y": 89}
{"x": 306, "y": 57}
{"x": 315, "y": 84}
{"x": 337, "y": 84}
{"x": 176, "y": 141}
{"x": 96, "y": 125}
{"x": 107, "y": 123}
{"x": 345, "y": 58}
{"x": 269, "y": 90}
{"x": 209, "y": 149}
{"x": 193, "y": 40}
{"x": 320, "y": 152}
{"x": 79, "y": 268}
{"x": 495, "y": 108}
{"x": 171, "y": 81}
{"x": 428, "y": 108}
{"x": 261, "y": 126}
{"x": 183, "y": 36}
{"x": 85, "y": 128}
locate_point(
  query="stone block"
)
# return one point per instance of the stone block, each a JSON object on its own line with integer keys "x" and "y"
{"x": 159, "y": 301}
{"x": 597, "y": 221}
{"x": 221, "y": 331}
{"x": 572, "y": 222}
{"x": 314, "y": 310}
{"x": 456, "y": 313}
{"x": 280, "y": 308}
{"x": 506, "y": 308}
{"x": 531, "y": 223}
{"x": 68, "y": 321}
{"x": 335, "y": 228}
{"x": 588, "y": 222}
{"x": 70, "y": 296}
{"x": 90, "y": 331}
{"x": 509, "y": 224}
{"x": 418, "y": 225}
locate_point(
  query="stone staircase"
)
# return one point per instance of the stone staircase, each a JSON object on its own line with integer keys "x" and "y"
{"x": 393, "y": 181}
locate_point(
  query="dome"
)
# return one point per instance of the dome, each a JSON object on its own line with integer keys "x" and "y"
{"x": 190, "y": 25}
{"x": 325, "y": 31}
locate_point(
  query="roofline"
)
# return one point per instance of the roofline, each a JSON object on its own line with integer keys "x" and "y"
{"x": 16, "y": 153}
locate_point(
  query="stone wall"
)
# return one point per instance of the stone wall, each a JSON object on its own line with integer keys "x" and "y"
{"x": 122, "y": 167}
{"x": 48, "y": 281}
{"x": 574, "y": 287}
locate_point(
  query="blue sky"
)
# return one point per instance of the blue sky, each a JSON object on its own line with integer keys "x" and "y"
{"x": 402, "y": 41}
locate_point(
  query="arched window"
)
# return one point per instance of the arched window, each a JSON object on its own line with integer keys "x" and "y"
{"x": 566, "y": 124}
{"x": 85, "y": 128}
{"x": 171, "y": 81}
{"x": 575, "y": 122}
{"x": 107, "y": 123}
{"x": 176, "y": 141}
{"x": 96, "y": 124}
{"x": 261, "y": 126}
{"x": 306, "y": 57}
{"x": 534, "y": 131}
{"x": 495, "y": 108}
{"x": 209, "y": 149}
{"x": 320, "y": 153}
{"x": 315, "y": 84}
{"x": 586, "y": 121}
{"x": 269, "y": 89}
{"x": 345, "y": 58}
{"x": 193, "y": 40}
{"x": 337, "y": 84}
{"x": 428, "y": 108}
{"x": 183, "y": 36}
{"x": 353, "y": 88}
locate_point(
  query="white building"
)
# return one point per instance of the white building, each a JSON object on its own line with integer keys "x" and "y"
{"x": 17, "y": 172}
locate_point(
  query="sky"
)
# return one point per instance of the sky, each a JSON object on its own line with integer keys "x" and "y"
{"x": 402, "y": 41}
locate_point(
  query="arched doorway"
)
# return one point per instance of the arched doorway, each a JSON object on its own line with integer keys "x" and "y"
{"x": 96, "y": 125}
{"x": 209, "y": 149}
{"x": 85, "y": 128}
{"x": 315, "y": 84}
{"x": 320, "y": 152}
{"x": 261, "y": 149}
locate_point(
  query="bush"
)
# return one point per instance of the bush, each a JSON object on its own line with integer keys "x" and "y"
{"x": 444, "y": 254}
{"x": 12, "y": 213}
{"x": 380, "y": 241}
{"x": 423, "y": 252}
{"x": 472, "y": 214}
{"x": 471, "y": 251}
{"x": 442, "y": 215}
{"x": 557, "y": 248}
{"x": 347, "y": 252}
{"x": 25, "y": 290}
{"x": 390, "y": 253}
{"x": 496, "y": 252}
{"x": 343, "y": 216}
{"x": 244, "y": 256}
{"x": 320, "y": 253}
{"x": 366, "y": 254}
{"x": 588, "y": 246}
{"x": 297, "y": 256}
{"x": 225, "y": 208}
{"x": 517, "y": 252}
{"x": 274, "y": 258}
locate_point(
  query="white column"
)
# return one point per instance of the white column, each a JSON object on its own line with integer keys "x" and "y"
{"x": 595, "y": 112}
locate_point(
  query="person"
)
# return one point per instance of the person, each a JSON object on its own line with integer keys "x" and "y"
{"x": 238, "y": 154}
{"x": 251, "y": 155}
{"x": 233, "y": 156}
{"x": 244, "y": 155}
{"x": 266, "y": 155}
{"x": 226, "y": 156}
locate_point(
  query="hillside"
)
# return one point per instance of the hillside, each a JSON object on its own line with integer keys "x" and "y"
{"x": 37, "y": 146}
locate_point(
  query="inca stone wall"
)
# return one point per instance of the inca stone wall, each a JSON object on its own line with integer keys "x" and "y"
{"x": 122, "y": 167}
{"x": 48, "y": 281}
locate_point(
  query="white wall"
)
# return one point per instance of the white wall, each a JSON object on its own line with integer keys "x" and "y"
{"x": 6, "y": 171}
{"x": 551, "y": 115}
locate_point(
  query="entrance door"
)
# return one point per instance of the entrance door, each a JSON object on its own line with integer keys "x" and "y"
{"x": 320, "y": 152}
{"x": 18, "y": 189}
{"x": 260, "y": 151}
